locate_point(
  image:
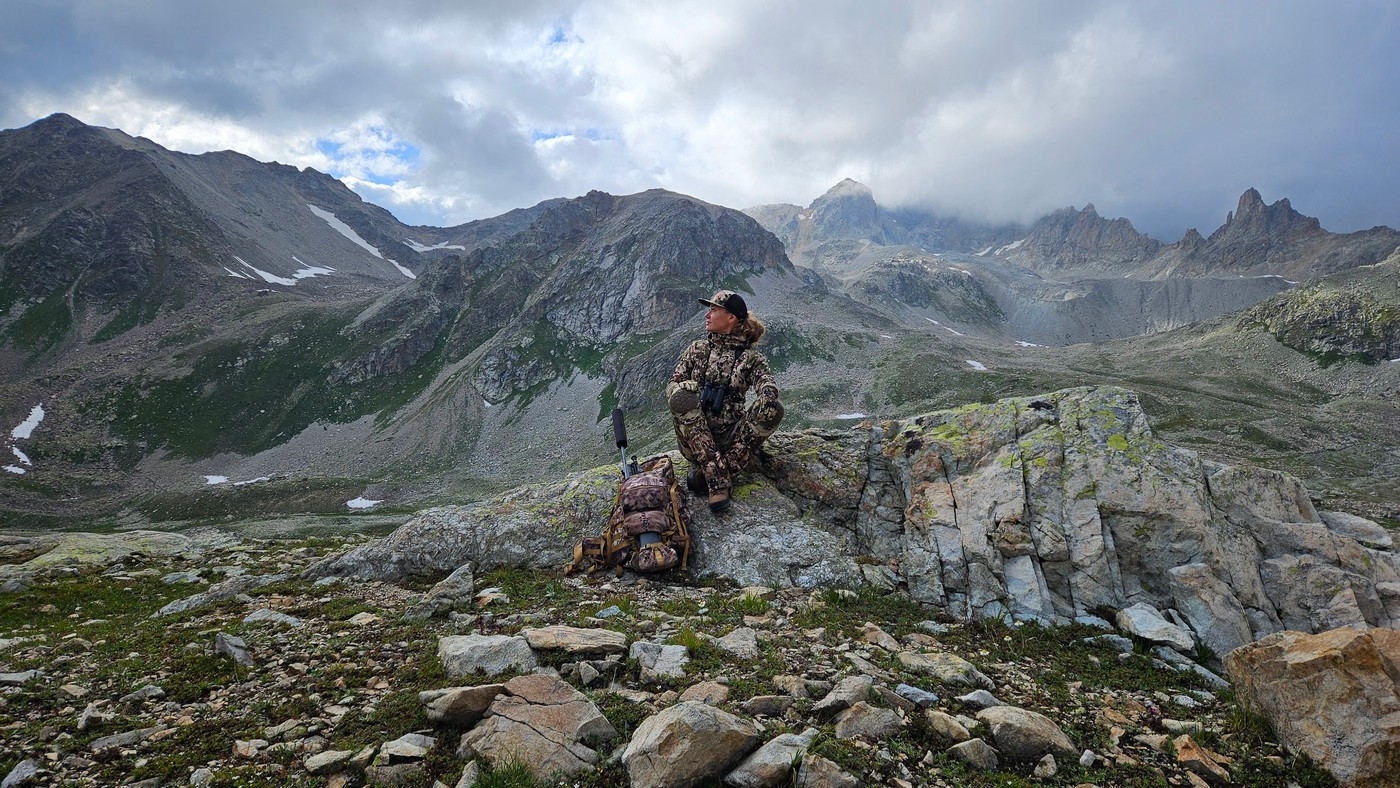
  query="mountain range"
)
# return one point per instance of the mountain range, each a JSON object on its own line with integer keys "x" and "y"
{"x": 181, "y": 324}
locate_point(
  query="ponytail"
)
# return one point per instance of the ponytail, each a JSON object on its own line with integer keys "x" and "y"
{"x": 753, "y": 329}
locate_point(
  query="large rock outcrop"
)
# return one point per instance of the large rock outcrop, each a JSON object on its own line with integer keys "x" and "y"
{"x": 1045, "y": 509}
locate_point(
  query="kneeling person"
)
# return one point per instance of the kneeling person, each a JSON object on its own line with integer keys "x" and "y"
{"x": 718, "y": 432}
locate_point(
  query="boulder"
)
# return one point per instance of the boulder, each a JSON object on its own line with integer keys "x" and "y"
{"x": 873, "y": 724}
{"x": 976, "y": 753}
{"x": 1023, "y": 735}
{"x": 465, "y": 655}
{"x": 742, "y": 643}
{"x": 771, "y": 764}
{"x": 685, "y": 745}
{"x": 543, "y": 722}
{"x": 1148, "y": 623}
{"x": 851, "y": 690}
{"x": 818, "y": 772}
{"x": 460, "y": 706}
{"x": 454, "y": 592}
{"x": 1334, "y": 696}
{"x": 1367, "y": 532}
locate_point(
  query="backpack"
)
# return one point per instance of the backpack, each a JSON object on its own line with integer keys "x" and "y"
{"x": 646, "y": 530}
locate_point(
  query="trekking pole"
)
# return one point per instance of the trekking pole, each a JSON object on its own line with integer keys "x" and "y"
{"x": 620, "y": 437}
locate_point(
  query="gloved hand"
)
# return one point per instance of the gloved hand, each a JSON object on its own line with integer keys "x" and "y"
{"x": 683, "y": 397}
{"x": 766, "y": 415}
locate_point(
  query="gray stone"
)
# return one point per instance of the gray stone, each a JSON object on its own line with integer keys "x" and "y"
{"x": 327, "y": 762}
{"x": 818, "y": 772}
{"x": 234, "y": 648}
{"x": 863, "y": 721}
{"x": 771, "y": 764}
{"x": 24, "y": 772}
{"x": 1367, "y": 532}
{"x": 660, "y": 661}
{"x": 1047, "y": 767}
{"x": 408, "y": 747}
{"x": 465, "y": 655}
{"x": 576, "y": 640}
{"x": 459, "y": 706}
{"x": 685, "y": 745}
{"x": 455, "y": 591}
{"x": 1023, "y": 735}
{"x": 201, "y": 777}
{"x": 741, "y": 643}
{"x": 218, "y": 592}
{"x": 118, "y": 741}
{"x": 470, "y": 774}
{"x": 850, "y": 691}
{"x": 976, "y": 753}
{"x": 981, "y": 699}
{"x": 1117, "y": 642}
{"x": 1211, "y": 607}
{"x": 543, "y": 722}
{"x": 1179, "y": 662}
{"x": 19, "y": 679}
{"x": 1147, "y": 622}
{"x": 946, "y": 726}
{"x": 947, "y": 668}
{"x": 273, "y": 616}
{"x": 148, "y": 692}
{"x": 767, "y": 705}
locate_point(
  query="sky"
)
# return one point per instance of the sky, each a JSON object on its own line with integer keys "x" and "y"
{"x": 444, "y": 112}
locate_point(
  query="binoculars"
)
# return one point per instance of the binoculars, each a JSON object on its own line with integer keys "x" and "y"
{"x": 712, "y": 397}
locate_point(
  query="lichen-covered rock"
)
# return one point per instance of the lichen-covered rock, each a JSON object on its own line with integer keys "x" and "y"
{"x": 544, "y": 723}
{"x": 1043, "y": 509}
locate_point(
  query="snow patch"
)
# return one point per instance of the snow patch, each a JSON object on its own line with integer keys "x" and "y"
{"x": 234, "y": 273}
{"x": 24, "y": 458}
{"x": 983, "y": 253}
{"x": 215, "y": 479}
{"x": 26, "y": 427}
{"x": 1011, "y": 246}
{"x": 886, "y": 336}
{"x": 850, "y": 416}
{"x": 418, "y": 247}
{"x": 349, "y": 232}
{"x": 1024, "y": 343}
{"x": 977, "y": 365}
{"x": 307, "y": 271}
{"x": 266, "y": 277}
{"x": 362, "y": 503}
{"x": 16, "y": 469}
{"x": 253, "y": 481}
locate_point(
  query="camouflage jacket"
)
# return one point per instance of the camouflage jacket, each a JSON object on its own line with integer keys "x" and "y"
{"x": 726, "y": 358}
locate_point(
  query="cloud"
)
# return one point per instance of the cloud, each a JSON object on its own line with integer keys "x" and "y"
{"x": 443, "y": 112}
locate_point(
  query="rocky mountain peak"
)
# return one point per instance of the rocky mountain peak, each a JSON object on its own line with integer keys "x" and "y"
{"x": 1069, "y": 240}
{"x": 1253, "y": 218}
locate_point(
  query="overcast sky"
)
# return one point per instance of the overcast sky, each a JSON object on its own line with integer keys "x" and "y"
{"x": 447, "y": 111}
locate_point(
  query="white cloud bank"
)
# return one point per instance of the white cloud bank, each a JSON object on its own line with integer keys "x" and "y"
{"x": 1163, "y": 113}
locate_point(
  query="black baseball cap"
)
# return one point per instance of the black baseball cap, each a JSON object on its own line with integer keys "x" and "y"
{"x": 729, "y": 301}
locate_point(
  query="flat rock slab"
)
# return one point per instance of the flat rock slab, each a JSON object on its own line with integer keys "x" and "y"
{"x": 576, "y": 640}
{"x": 464, "y": 655}
{"x": 543, "y": 722}
{"x": 1147, "y": 622}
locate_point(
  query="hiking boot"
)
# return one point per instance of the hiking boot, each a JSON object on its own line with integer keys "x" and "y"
{"x": 695, "y": 482}
{"x": 719, "y": 500}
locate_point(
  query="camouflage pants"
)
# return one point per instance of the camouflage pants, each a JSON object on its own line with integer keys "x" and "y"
{"x": 721, "y": 450}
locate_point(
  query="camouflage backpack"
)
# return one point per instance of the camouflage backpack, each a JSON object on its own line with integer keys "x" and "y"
{"x": 646, "y": 530}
